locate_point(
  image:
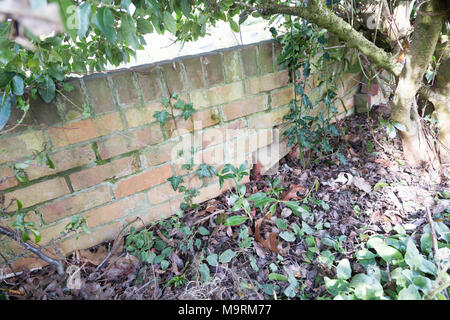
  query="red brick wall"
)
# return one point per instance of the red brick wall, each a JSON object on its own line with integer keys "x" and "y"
{"x": 114, "y": 165}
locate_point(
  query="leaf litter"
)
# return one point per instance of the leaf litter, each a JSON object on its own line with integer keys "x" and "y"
{"x": 371, "y": 194}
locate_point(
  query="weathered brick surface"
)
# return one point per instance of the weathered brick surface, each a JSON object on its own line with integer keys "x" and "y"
{"x": 130, "y": 141}
{"x": 265, "y": 57}
{"x": 238, "y": 95}
{"x": 214, "y": 71}
{"x": 173, "y": 77}
{"x": 282, "y": 97}
{"x": 99, "y": 94}
{"x": 266, "y": 82}
{"x": 116, "y": 210}
{"x": 232, "y": 66}
{"x": 267, "y": 120}
{"x": 194, "y": 74}
{"x": 85, "y": 129}
{"x": 125, "y": 88}
{"x": 149, "y": 82}
{"x": 72, "y": 102}
{"x": 38, "y": 193}
{"x": 17, "y": 147}
{"x": 75, "y": 204}
{"x": 63, "y": 160}
{"x": 244, "y": 107}
{"x": 7, "y": 178}
{"x": 143, "y": 115}
{"x": 249, "y": 61}
{"x": 95, "y": 175}
{"x": 143, "y": 181}
{"x": 217, "y": 95}
{"x": 87, "y": 240}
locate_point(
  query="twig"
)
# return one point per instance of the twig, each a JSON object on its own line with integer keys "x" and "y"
{"x": 433, "y": 238}
{"x": 116, "y": 244}
{"x": 36, "y": 251}
{"x": 208, "y": 217}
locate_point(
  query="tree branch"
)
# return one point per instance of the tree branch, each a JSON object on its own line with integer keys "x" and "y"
{"x": 316, "y": 12}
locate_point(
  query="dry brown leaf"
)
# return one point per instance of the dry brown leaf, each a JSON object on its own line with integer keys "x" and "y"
{"x": 271, "y": 242}
{"x": 94, "y": 258}
{"x": 292, "y": 192}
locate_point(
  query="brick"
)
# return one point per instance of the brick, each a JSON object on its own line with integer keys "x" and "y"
{"x": 245, "y": 107}
{"x": 85, "y": 129}
{"x": 209, "y": 192}
{"x": 269, "y": 119}
{"x": 15, "y": 148}
{"x": 100, "y": 94}
{"x": 205, "y": 118}
{"x": 232, "y": 66}
{"x": 213, "y": 66}
{"x": 44, "y": 114}
{"x": 265, "y": 57}
{"x": 266, "y": 82}
{"x": 282, "y": 97}
{"x": 156, "y": 213}
{"x": 130, "y": 141}
{"x": 157, "y": 155}
{"x": 142, "y": 115}
{"x": 173, "y": 77}
{"x": 74, "y": 204}
{"x": 63, "y": 160}
{"x": 85, "y": 240}
{"x": 39, "y": 192}
{"x": 194, "y": 73}
{"x": 95, "y": 175}
{"x": 148, "y": 78}
{"x": 181, "y": 126}
{"x": 249, "y": 61}
{"x": 126, "y": 90}
{"x": 143, "y": 181}
{"x": 72, "y": 102}
{"x": 217, "y": 95}
{"x": 116, "y": 210}
{"x": 52, "y": 232}
{"x": 7, "y": 179}
{"x": 162, "y": 193}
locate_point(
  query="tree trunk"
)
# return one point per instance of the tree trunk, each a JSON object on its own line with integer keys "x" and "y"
{"x": 427, "y": 28}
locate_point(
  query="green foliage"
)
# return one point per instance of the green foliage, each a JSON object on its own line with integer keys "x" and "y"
{"x": 395, "y": 269}
{"x": 303, "y": 49}
{"x": 25, "y": 228}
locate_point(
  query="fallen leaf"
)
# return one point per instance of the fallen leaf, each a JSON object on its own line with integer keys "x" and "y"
{"x": 271, "y": 242}
{"x": 292, "y": 192}
{"x": 94, "y": 258}
{"x": 362, "y": 184}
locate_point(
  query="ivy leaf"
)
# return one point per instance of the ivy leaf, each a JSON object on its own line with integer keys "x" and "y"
{"x": 227, "y": 256}
{"x": 287, "y": 236}
{"x": 204, "y": 272}
{"x": 127, "y": 31}
{"x": 203, "y": 231}
{"x": 17, "y": 85}
{"x": 169, "y": 22}
{"x": 410, "y": 293}
{"x": 5, "y": 111}
{"x": 47, "y": 89}
{"x": 161, "y": 116}
{"x": 104, "y": 21}
{"x": 344, "y": 270}
{"x": 84, "y": 17}
{"x": 175, "y": 181}
{"x": 212, "y": 260}
{"x": 203, "y": 171}
{"x": 144, "y": 26}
